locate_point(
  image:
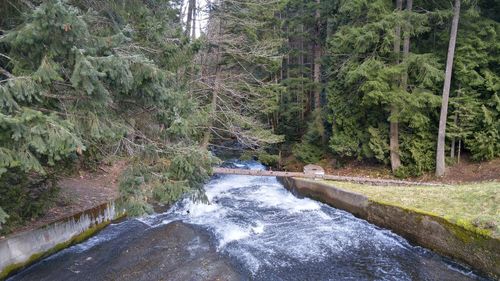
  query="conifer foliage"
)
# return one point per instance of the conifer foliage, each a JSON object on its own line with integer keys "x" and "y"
{"x": 76, "y": 85}
{"x": 349, "y": 79}
{"x": 383, "y": 68}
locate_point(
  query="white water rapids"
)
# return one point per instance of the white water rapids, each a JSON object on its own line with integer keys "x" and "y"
{"x": 273, "y": 235}
{"x": 269, "y": 234}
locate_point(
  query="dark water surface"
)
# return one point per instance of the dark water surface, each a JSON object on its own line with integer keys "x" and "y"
{"x": 253, "y": 229}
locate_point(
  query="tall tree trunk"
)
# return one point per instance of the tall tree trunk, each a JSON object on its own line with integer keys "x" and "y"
{"x": 195, "y": 10}
{"x": 301, "y": 66}
{"x": 406, "y": 46}
{"x": 190, "y": 10}
{"x": 213, "y": 109}
{"x": 317, "y": 73}
{"x": 440, "y": 157}
{"x": 394, "y": 125}
{"x": 317, "y": 58}
{"x": 215, "y": 32}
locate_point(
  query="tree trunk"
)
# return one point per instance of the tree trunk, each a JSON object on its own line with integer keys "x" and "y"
{"x": 455, "y": 121}
{"x": 213, "y": 109}
{"x": 317, "y": 73}
{"x": 406, "y": 46}
{"x": 215, "y": 32}
{"x": 190, "y": 10}
{"x": 440, "y": 157}
{"x": 317, "y": 58}
{"x": 452, "y": 148}
{"x": 459, "y": 150}
{"x": 301, "y": 66}
{"x": 394, "y": 125}
{"x": 193, "y": 33}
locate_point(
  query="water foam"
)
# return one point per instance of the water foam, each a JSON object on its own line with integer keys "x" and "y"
{"x": 251, "y": 215}
{"x": 258, "y": 228}
{"x": 274, "y": 196}
{"x": 266, "y": 229}
{"x": 272, "y": 235}
{"x": 230, "y": 233}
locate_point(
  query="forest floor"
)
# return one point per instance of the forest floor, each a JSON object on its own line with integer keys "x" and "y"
{"x": 80, "y": 192}
{"x": 476, "y": 204}
{"x": 466, "y": 171}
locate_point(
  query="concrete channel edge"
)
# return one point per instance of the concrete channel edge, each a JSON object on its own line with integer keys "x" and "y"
{"x": 467, "y": 246}
{"x": 22, "y": 249}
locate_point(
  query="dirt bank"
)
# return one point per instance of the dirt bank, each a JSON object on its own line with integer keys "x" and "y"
{"x": 78, "y": 193}
{"x": 467, "y": 171}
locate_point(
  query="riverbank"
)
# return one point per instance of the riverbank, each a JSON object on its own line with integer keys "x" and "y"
{"x": 253, "y": 228}
{"x": 22, "y": 249}
{"x": 83, "y": 206}
{"x": 471, "y": 205}
{"x": 88, "y": 189}
{"x": 471, "y": 213}
{"x": 467, "y": 171}
{"x": 463, "y": 242}
{"x": 79, "y": 192}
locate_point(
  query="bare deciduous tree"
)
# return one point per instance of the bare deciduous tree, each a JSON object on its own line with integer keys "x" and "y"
{"x": 235, "y": 68}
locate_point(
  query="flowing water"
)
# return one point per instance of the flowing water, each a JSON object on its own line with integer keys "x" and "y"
{"x": 266, "y": 233}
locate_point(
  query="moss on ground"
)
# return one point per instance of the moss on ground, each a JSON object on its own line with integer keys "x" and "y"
{"x": 475, "y": 207}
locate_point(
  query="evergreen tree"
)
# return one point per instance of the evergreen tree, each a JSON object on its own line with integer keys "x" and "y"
{"x": 367, "y": 83}
{"x": 98, "y": 83}
{"x": 82, "y": 79}
{"x": 474, "y": 120}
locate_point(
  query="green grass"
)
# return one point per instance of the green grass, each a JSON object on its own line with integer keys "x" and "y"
{"x": 475, "y": 204}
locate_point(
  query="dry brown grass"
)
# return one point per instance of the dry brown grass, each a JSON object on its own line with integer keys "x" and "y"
{"x": 475, "y": 204}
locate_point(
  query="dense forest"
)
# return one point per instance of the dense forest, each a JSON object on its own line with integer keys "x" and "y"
{"x": 409, "y": 84}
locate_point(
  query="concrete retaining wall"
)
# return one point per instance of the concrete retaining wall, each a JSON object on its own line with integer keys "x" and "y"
{"x": 460, "y": 243}
{"x": 22, "y": 249}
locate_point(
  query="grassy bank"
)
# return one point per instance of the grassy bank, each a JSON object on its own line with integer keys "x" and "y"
{"x": 469, "y": 204}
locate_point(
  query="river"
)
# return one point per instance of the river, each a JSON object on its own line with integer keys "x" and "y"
{"x": 253, "y": 229}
